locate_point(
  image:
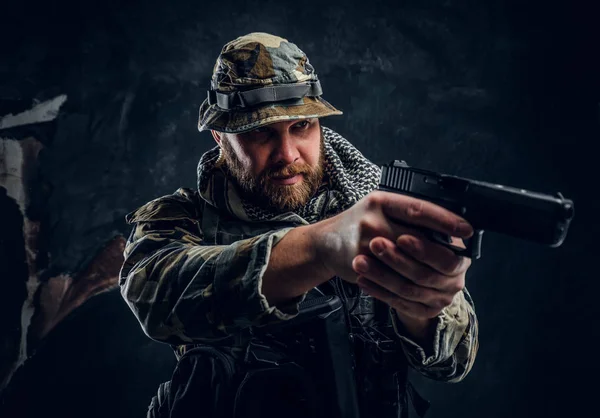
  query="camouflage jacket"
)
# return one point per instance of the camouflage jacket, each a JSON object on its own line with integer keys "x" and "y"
{"x": 192, "y": 274}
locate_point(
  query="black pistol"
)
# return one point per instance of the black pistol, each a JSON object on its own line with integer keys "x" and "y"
{"x": 532, "y": 216}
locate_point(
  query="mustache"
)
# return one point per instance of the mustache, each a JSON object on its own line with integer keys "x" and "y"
{"x": 288, "y": 171}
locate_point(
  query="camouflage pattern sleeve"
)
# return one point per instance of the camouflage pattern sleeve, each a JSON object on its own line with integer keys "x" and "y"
{"x": 455, "y": 342}
{"x": 182, "y": 291}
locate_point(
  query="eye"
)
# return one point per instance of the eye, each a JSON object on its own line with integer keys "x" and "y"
{"x": 260, "y": 134}
{"x": 303, "y": 124}
{"x": 261, "y": 130}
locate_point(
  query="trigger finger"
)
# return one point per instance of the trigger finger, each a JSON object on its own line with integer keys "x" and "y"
{"x": 434, "y": 255}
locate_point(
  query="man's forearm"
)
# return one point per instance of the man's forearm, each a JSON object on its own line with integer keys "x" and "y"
{"x": 294, "y": 266}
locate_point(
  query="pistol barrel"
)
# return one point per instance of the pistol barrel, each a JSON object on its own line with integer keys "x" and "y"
{"x": 520, "y": 213}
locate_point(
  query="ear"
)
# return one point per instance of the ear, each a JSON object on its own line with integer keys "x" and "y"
{"x": 217, "y": 136}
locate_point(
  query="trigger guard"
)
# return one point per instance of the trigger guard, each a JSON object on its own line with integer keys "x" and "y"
{"x": 473, "y": 244}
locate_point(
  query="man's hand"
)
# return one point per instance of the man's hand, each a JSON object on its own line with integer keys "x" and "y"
{"x": 415, "y": 276}
{"x": 378, "y": 245}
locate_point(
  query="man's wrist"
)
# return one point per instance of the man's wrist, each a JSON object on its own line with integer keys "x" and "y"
{"x": 321, "y": 249}
{"x": 421, "y": 331}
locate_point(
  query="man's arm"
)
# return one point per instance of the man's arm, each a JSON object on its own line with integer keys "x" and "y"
{"x": 182, "y": 290}
{"x": 443, "y": 348}
{"x": 295, "y": 266}
{"x": 449, "y": 354}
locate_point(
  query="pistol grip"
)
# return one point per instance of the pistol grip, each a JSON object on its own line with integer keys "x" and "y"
{"x": 473, "y": 244}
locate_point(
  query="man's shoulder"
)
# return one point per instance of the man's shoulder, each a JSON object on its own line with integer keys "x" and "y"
{"x": 185, "y": 203}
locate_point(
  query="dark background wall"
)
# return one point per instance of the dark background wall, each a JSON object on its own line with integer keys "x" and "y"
{"x": 501, "y": 91}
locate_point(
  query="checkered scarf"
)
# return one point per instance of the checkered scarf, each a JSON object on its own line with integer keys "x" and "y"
{"x": 349, "y": 176}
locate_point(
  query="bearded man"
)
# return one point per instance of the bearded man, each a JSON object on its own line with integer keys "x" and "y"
{"x": 285, "y": 207}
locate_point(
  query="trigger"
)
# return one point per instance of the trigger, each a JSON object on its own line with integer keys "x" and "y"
{"x": 446, "y": 241}
{"x": 441, "y": 238}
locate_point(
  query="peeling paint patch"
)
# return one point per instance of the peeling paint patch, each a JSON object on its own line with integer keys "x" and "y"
{"x": 18, "y": 159}
{"x": 61, "y": 294}
{"x": 11, "y": 173}
{"x": 41, "y": 112}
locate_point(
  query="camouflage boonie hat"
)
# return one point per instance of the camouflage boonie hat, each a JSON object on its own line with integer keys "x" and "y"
{"x": 260, "y": 79}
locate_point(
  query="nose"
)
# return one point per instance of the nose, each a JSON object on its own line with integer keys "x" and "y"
{"x": 285, "y": 152}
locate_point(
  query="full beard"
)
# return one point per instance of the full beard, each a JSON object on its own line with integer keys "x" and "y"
{"x": 262, "y": 191}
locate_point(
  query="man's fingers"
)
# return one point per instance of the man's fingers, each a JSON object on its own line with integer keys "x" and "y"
{"x": 434, "y": 255}
{"x": 410, "y": 288}
{"x": 400, "y": 304}
{"x": 406, "y": 209}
